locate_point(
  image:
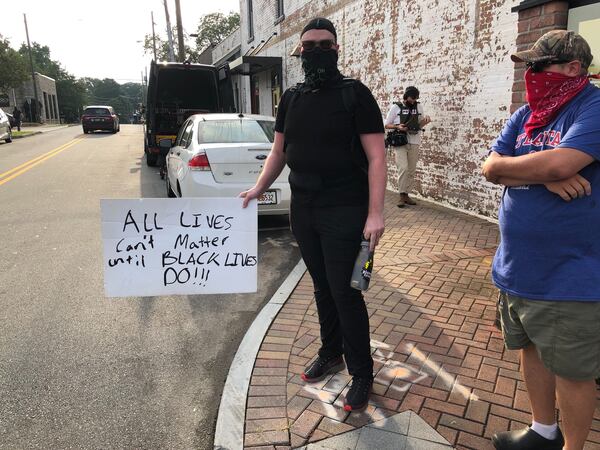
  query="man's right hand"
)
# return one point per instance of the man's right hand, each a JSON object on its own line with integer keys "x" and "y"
{"x": 571, "y": 188}
{"x": 250, "y": 194}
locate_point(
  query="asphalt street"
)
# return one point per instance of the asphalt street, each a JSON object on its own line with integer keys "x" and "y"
{"x": 81, "y": 371}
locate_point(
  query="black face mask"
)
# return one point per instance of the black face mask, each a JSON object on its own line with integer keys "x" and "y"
{"x": 320, "y": 68}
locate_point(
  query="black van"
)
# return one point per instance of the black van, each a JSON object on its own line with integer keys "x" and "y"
{"x": 175, "y": 92}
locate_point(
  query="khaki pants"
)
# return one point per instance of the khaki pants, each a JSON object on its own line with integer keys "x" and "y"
{"x": 406, "y": 162}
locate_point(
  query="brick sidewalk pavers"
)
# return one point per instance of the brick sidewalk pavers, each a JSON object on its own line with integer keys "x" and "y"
{"x": 436, "y": 351}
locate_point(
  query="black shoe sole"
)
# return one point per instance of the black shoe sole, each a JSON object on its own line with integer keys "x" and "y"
{"x": 337, "y": 368}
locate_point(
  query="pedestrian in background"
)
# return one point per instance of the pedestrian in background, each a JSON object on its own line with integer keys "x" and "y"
{"x": 547, "y": 265}
{"x": 17, "y": 115}
{"x": 406, "y": 118}
{"x": 336, "y": 199}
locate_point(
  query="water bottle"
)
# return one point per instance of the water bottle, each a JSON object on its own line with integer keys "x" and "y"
{"x": 361, "y": 275}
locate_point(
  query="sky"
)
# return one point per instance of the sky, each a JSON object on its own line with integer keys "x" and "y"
{"x": 98, "y": 38}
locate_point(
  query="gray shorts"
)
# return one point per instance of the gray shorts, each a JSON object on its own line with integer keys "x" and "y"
{"x": 566, "y": 334}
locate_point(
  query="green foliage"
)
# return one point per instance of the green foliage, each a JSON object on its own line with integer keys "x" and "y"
{"x": 215, "y": 27}
{"x": 42, "y": 62}
{"x": 124, "y": 98}
{"x": 162, "y": 47}
{"x": 76, "y": 93}
{"x": 212, "y": 29}
{"x": 13, "y": 67}
{"x": 72, "y": 96}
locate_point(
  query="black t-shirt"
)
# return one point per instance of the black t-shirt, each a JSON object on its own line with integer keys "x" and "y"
{"x": 319, "y": 131}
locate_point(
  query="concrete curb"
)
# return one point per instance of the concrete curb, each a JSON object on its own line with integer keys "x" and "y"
{"x": 35, "y": 133}
{"x": 229, "y": 433}
{"x": 27, "y": 135}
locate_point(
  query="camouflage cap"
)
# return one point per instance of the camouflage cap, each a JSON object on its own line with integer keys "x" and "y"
{"x": 557, "y": 45}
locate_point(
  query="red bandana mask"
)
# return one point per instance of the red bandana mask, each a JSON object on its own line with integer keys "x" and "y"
{"x": 547, "y": 93}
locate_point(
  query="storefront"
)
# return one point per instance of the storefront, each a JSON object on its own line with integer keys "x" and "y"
{"x": 584, "y": 18}
{"x": 264, "y": 74}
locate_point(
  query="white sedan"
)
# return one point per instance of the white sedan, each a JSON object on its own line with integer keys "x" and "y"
{"x": 221, "y": 155}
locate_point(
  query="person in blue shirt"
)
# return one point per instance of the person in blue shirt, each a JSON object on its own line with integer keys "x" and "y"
{"x": 547, "y": 266}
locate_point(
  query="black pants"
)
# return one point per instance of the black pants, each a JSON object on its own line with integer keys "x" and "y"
{"x": 329, "y": 240}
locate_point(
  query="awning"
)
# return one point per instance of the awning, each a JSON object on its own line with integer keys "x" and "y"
{"x": 250, "y": 65}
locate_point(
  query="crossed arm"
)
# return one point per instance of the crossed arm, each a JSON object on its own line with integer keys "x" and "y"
{"x": 557, "y": 169}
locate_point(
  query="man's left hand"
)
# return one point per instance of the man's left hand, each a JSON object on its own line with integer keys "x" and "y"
{"x": 489, "y": 167}
{"x": 373, "y": 230}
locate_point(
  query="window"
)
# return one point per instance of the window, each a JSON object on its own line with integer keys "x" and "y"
{"x": 280, "y": 13}
{"x": 585, "y": 20}
{"x": 236, "y": 131}
{"x": 250, "y": 21}
{"x": 46, "y": 106}
{"x": 185, "y": 137}
{"x": 180, "y": 134}
{"x": 96, "y": 112}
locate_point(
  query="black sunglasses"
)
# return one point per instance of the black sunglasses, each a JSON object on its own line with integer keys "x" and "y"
{"x": 309, "y": 46}
{"x": 540, "y": 65}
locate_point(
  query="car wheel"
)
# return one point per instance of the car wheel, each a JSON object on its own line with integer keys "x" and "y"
{"x": 85, "y": 131}
{"x": 119, "y": 128}
{"x": 151, "y": 159}
{"x": 170, "y": 192}
{"x": 8, "y": 140}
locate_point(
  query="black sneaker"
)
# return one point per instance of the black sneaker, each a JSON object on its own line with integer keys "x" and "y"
{"x": 526, "y": 439}
{"x": 321, "y": 367}
{"x": 358, "y": 395}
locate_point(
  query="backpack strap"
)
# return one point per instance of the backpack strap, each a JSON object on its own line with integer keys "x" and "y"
{"x": 349, "y": 95}
{"x": 357, "y": 152}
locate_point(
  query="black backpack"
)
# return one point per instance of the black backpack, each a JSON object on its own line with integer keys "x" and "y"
{"x": 348, "y": 87}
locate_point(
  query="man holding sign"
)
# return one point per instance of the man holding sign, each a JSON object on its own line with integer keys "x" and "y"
{"x": 337, "y": 197}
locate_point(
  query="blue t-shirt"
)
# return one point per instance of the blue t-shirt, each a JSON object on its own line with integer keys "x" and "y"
{"x": 549, "y": 248}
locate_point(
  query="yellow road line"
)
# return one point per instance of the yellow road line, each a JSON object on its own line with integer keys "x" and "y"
{"x": 34, "y": 162}
{"x": 8, "y": 172}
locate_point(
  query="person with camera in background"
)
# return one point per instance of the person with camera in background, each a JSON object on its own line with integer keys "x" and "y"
{"x": 406, "y": 120}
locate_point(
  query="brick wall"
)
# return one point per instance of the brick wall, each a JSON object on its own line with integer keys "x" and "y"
{"x": 456, "y": 51}
{"x": 533, "y": 23}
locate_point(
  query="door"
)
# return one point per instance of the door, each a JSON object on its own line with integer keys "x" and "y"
{"x": 254, "y": 95}
{"x": 585, "y": 20}
{"x": 275, "y": 91}
{"x": 174, "y": 158}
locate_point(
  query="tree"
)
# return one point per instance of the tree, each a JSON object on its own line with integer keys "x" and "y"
{"x": 42, "y": 62}
{"x": 162, "y": 47}
{"x": 13, "y": 67}
{"x": 215, "y": 27}
{"x": 71, "y": 93}
{"x": 212, "y": 29}
{"x": 72, "y": 96}
{"x": 124, "y": 98}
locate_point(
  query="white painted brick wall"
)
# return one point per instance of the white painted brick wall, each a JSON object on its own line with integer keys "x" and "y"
{"x": 455, "y": 51}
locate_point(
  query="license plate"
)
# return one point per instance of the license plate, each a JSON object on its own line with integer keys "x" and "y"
{"x": 268, "y": 198}
{"x": 96, "y": 120}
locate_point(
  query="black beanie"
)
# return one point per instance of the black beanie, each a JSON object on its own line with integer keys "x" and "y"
{"x": 319, "y": 23}
{"x": 411, "y": 91}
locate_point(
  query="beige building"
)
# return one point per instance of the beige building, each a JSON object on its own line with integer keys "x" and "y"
{"x": 24, "y": 98}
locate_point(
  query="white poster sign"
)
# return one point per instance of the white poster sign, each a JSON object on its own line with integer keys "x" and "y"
{"x": 179, "y": 246}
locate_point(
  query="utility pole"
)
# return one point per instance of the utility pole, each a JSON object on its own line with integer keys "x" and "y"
{"x": 153, "y": 35}
{"x": 179, "y": 32}
{"x": 35, "y": 93}
{"x": 169, "y": 33}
